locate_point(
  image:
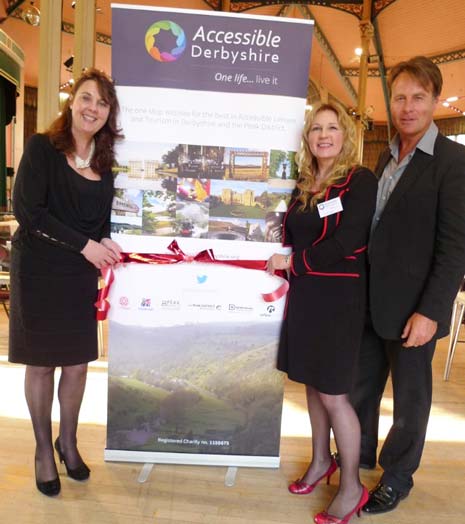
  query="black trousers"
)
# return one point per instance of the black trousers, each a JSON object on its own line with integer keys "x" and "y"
{"x": 411, "y": 375}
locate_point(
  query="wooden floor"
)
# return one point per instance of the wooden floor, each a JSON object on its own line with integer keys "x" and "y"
{"x": 197, "y": 494}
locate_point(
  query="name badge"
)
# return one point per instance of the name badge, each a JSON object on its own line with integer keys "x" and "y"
{"x": 329, "y": 207}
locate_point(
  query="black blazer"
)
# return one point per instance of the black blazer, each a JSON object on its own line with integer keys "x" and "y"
{"x": 417, "y": 251}
{"x": 340, "y": 249}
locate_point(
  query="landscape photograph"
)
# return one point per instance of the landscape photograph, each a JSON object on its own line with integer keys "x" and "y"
{"x": 246, "y": 164}
{"x": 200, "y": 161}
{"x": 218, "y": 394}
{"x": 275, "y": 199}
{"x": 159, "y": 212}
{"x": 237, "y": 199}
{"x": 145, "y": 160}
{"x": 282, "y": 165}
{"x": 126, "y": 211}
{"x": 224, "y": 228}
{"x": 191, "y": 218}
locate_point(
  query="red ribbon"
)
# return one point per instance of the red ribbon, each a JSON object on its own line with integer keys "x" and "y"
{"x": 176, "y": 256}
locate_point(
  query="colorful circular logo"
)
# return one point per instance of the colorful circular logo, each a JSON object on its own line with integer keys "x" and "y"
{"x": 151, "y": 37}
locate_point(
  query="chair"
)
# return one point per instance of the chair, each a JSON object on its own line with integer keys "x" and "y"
{"x": 4, "y": 299}
{"x": 458, "y": 312}
{"x": 5, "y": 291}
{"x": 4, "y": 278}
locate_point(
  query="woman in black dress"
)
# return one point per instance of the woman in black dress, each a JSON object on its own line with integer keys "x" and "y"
{"x": 327, "y": 226}
{"x": 62, "y": 201}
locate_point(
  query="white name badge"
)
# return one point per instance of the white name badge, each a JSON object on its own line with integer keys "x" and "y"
{"x": 329, "y": 207}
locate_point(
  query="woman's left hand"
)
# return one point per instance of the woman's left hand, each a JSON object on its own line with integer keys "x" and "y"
{"x": 278, "y": 261}
{"x": 112, "y": 246}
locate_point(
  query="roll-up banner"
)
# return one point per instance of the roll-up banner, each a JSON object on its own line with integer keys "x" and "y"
{"x": 212, "y": 107}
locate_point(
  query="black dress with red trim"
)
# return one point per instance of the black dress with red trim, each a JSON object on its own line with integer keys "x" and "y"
{"x": 323, "y": 324}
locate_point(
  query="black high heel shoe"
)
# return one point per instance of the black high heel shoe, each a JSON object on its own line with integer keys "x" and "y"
{"x": 51, "y": 488}
{"x": 82, "y": 472}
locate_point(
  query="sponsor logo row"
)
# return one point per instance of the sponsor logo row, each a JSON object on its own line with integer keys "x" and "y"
{"x": 148, "y": 304}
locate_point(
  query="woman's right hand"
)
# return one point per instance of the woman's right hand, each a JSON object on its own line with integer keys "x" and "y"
{"x": 99, "y": 255}
{"x": 278, "y": 261}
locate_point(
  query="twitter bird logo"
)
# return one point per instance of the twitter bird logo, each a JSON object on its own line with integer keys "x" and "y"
{"x": 201, "y": 279}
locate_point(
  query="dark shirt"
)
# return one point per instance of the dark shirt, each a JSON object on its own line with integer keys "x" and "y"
{"x": 57, "y": 209}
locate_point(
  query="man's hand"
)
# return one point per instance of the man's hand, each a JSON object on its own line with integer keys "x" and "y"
{"x": 418, "y": 330}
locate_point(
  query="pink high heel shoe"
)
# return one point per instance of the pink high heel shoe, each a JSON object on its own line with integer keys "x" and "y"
{"x": 302, "y": 488}
{"x": 325, "y": 518}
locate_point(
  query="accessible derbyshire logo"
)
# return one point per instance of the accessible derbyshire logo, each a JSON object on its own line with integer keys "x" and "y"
{"x": 157, "y": 35}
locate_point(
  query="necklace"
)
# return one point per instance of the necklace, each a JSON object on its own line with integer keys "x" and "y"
{"x": 82, "y": 163}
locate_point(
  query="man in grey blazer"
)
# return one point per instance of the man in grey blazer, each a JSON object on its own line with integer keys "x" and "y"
{"x": 417, "y": 263}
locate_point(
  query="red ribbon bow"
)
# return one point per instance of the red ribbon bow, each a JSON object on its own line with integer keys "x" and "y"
{"x": 205, "y": 256}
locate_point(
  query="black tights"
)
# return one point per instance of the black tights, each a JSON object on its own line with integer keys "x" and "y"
{"x": 39, "y": 388}
{"x": 335, "y": 412}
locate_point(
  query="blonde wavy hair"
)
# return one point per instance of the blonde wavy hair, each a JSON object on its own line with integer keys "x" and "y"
{"x": 307, "y": 162}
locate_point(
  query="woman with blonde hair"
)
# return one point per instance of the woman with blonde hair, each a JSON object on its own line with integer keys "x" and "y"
{"x": 327, "y": 226}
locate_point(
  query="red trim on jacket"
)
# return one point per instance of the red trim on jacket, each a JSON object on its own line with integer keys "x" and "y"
{"x": 283, "y": 225}
{"x": 310, "y": 272}
{"x": 321, "y": 274}
{"x": 347, "y": 180}
{"x": 356, "y": 252}
{"x": 328, "y": 189}
{"x": 325, "y": 219}
{"x": 304, "y": 258}
{"x": 293, "y": 271}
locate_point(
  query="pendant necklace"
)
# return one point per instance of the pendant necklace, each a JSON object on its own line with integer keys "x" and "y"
{"x": 82, "y": 163}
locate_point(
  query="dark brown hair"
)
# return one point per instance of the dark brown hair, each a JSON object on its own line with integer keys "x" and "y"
{"x": 422, "y": 69}
{"x": 60, "y": 134}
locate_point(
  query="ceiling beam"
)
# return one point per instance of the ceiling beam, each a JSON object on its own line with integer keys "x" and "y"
{"x": 100, "y": 38}
{"x": 354, "y": 7}
{"x": 68, "y": 28}
{"x": 284, "y": 9}
{"x": 352, "y": 71}
{"x": 366, "y": 35}
{"x": 444, "y": 58}
{"x": 330, "y": 54}
{"x": 382, "y": 73}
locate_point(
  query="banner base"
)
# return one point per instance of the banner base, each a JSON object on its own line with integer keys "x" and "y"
{"x": 244, "y": 461}
{"x": 145, "y": 473}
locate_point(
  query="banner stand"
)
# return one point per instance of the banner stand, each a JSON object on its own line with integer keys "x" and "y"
{"x": 212, "y": 107}
{"x": 145, "y": 472}
{"x": 151, "y": 457}
{"x": 229, "y": 478}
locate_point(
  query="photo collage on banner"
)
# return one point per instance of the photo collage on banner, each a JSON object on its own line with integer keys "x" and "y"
{"x": 212, "y": 108}
{"x": 202, "y": 191}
